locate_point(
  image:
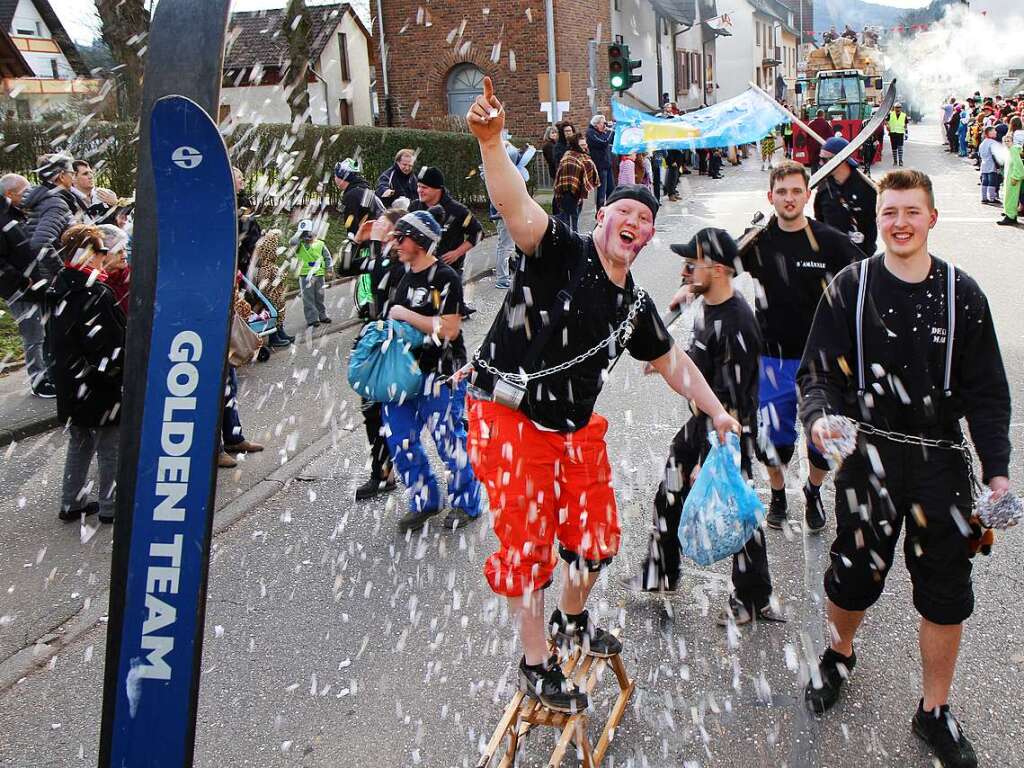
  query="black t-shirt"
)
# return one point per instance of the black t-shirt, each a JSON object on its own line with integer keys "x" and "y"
{"x": 850, "y": 208}
{"x": 434, "y": 292}
{"x": 726, "y": 348}
{"x": 565, "y": 401}
{"x": 794, "y": 274}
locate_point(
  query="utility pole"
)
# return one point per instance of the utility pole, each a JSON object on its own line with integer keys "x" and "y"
{"x": 552, "y": 69}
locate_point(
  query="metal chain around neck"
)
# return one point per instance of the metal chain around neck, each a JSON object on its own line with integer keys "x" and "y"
{"x": 622, "y": 333}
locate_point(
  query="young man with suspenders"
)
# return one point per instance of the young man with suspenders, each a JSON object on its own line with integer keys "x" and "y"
{"x": 903, "y": 343}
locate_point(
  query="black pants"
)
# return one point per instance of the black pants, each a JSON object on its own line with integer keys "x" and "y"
{"x": 715, "y": 165}
{"x": 380, "y": 459}
{"x": 750, "y": 577}
{"x": 930, "y": 492}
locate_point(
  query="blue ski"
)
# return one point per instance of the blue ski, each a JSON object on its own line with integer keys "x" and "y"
{"x": 158, "y": 650}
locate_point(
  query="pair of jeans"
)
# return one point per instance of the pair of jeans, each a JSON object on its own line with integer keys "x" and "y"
{"x": 506, "y": 251}
{"x": 607, "y": 180}
{"x": 231, "y": 424}
{"x": 312, "y": 288}
{"x": 29, "y": 317}
{"x": 83, "y": 444}
{"x": 440, "y": 410}
{"x": 569, "y": 211}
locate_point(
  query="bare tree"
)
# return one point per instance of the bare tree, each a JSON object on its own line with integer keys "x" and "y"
{"x": 296, "y": 28}
{"x": 124, "y": 27}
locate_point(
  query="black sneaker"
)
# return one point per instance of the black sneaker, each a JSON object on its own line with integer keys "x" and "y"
{"x": 457, "y": 518}
{"x": 326, "y": 320}
{"x": 413, "y": 521}
{"x": 834, "y": 669}
{"x": 740, "y": 614}
{"x": 374, "y": 486}
{"x": 45, "y": 390}
{"x": 1006, "y": 221}
{"x": 71, "y": 515}
{"x": 814, "y": 510}
{"x": 777, "y": 510}
{"x": 107, "y": 518}
{"x": 593, "y": 640}
{"x": 548, "y": 685}
{"x": 942, "y": 732}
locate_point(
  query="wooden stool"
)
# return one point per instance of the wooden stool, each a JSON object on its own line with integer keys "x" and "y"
{"x": 523, "y": 714}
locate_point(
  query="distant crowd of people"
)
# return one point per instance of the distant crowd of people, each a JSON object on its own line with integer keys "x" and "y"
{"x": 989, "y": 131}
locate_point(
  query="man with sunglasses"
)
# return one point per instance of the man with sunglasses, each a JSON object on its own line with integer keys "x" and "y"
{"x": 726, "y": 346}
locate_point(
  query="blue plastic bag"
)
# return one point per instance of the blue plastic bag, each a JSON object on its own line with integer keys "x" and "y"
{"x": 721, "y": 511}
{"x": 383, "y": 366}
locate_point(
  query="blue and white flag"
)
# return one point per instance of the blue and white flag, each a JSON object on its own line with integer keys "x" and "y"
{"x": 740, "y": 120}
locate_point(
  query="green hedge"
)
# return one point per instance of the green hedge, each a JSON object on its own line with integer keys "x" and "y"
{"x": 298, "y": 168}
{"x": 283, "y": 170}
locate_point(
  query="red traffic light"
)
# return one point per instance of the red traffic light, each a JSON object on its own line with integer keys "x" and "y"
{"x": 614, "y": 51}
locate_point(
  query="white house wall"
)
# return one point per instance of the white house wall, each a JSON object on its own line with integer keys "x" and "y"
{"x": 357, "y": 90}
{"x": 26, "y": 16}
{"x": 258, "y": 103}
{"x": 690, "y": 96}
{"x": 734, "y": 68}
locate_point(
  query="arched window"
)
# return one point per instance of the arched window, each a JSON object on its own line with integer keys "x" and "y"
{"x": 465, "y": 83}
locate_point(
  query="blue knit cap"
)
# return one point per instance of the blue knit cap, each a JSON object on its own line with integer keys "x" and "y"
{"x": 421, "y": 227}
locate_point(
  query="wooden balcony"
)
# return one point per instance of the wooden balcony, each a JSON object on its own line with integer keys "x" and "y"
{"x": 35, "y": 44}
{"x": 42, "y": 86}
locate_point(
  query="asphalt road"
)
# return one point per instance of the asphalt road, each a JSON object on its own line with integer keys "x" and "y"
{"x": 333, "y": 641}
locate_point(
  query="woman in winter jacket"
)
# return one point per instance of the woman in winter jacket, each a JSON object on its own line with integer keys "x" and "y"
{"x": 85, "y": 331}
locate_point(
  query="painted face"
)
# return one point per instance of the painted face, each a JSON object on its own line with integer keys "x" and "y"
{"x": 904, "y": 218}
{"x": 623, "y": 229}
{"x": 789, "y": 197}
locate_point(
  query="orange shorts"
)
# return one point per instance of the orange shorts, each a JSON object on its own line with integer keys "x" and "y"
{"x": 542, "y": 485}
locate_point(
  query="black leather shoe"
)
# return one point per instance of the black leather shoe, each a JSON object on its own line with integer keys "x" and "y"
{"x": 373, "y": 487}
{"x": 413, "y": 521}
{"x": 71, "y": 515}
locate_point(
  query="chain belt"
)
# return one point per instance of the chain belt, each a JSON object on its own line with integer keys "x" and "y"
{"x": 964, "y": 446}
{"x": 622, "y": 334}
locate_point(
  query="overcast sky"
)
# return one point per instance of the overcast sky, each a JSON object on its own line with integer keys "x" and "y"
{"x": 79, "y": 16}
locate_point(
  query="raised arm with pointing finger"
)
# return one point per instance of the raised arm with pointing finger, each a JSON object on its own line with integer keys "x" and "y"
{"x": 525, "y": 219}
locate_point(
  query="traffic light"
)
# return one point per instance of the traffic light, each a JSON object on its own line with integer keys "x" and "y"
{"x": 618, "y": 60}
{"x": 620, "y": 68}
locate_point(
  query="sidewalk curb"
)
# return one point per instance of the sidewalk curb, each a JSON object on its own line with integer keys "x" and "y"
{"x": 29, "y": 429}
{"x": 33, "y": 657}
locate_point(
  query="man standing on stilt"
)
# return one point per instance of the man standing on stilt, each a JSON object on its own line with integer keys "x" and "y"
{"x": 534, "y": 437}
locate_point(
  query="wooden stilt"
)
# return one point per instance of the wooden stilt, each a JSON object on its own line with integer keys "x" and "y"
{"x": 523, "y": 714}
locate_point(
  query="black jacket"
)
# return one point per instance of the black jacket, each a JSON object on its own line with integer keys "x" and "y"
{"x": 393, "y": 184}
{"x": 850, "y": 208}
{"x": 17, "y": 263}
{"x": 249, "y": 233}
{"x": 359, "y": 203}
{"x": 458, "y": 226}
{"x": 85, "y": 333}
{"x": 51, "y": 210}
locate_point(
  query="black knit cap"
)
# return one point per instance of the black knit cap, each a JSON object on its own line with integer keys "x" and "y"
{"x": 637, "y": 192}
{"x": 431, "y": 177}
{"x": 711, "y": 243}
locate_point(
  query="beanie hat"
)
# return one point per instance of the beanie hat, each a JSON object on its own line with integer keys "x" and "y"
{"x": 347, "y": 169}
{"x": 834, "y": 146}
{"x": 636, "y": 192}
{"x": 421, "y": 227}
{"x": 431, "y": 177}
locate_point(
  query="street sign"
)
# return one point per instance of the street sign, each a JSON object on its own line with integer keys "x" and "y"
{"x": 563, "y": 85}
{"x": 183, "y": 268}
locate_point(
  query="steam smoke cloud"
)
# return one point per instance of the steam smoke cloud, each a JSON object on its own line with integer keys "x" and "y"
{"x": 956, "y": 56}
